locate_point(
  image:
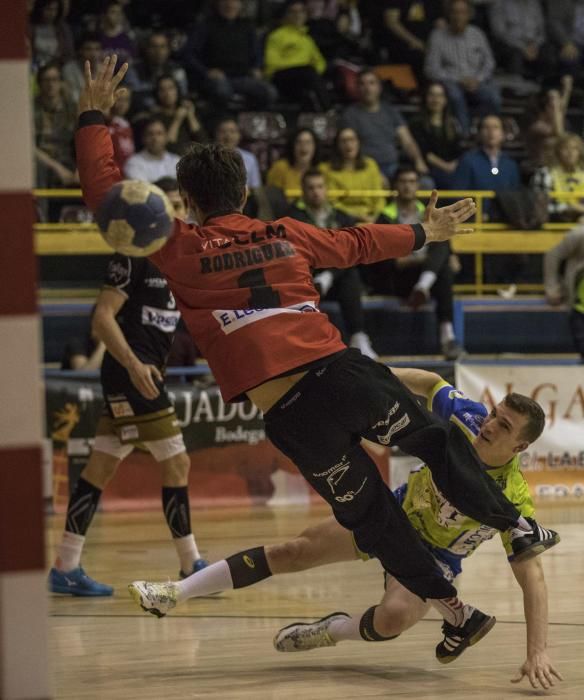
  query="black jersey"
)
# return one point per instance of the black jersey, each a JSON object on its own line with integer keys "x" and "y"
{"x": 149, "y": 317}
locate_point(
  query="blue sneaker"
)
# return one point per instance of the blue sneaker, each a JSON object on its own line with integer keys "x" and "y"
{"x": 198, "y": 565}
{"x": 77, "y": 583}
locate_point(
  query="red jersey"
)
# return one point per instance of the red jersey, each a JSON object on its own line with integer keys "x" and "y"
{"x": 243, "y": 286}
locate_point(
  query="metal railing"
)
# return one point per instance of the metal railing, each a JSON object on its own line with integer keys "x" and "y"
{"x": 489, "y": 237}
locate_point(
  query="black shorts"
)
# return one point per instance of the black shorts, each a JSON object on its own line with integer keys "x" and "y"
{"x": 132, "y": 417}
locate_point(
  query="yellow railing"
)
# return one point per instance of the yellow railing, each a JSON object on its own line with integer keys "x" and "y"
{"x": 489, "y": 238}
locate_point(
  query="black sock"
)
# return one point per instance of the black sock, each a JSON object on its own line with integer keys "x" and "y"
{"x": 248, "y": 567}
{"x": 82, "y": 506}
{"x": 175, "y": 503}
{"x": 367, "y": 630}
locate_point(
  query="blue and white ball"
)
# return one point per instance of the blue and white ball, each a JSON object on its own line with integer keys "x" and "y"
{"x": 135, "y": 218}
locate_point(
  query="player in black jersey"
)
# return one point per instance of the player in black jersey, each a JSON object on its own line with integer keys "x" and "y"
{"x": 136, "y": 318}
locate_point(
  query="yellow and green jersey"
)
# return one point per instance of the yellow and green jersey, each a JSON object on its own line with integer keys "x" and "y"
{"x": 451, "y": 535}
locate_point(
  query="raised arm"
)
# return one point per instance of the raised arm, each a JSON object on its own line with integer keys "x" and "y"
{"x": 537, "y": 667}
{"x": 95, "y": 154}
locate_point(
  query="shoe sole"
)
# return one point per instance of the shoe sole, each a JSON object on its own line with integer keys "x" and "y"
{"x": 482, "y": 631}
{"x": 137, "y": 597}
{"x": 536, "y": 548}
{"x": 304, "y": 624}
{"x": 67, "y": 591}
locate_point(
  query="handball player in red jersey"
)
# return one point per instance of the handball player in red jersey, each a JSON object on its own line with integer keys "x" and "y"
{"x": 244, "y": 289}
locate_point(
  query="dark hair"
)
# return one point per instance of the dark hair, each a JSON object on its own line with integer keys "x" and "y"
{"x": 402, "y": 171}
{"x": 531, "y": 410}
{"x": 491, "y": 115}
{"x": 167, "y": 184}
{"x": 157, "y": 32}
{"x": 147, "y": 123}
{"x": 291, "y": 143}
{"x": 39, "y": 6}
{"x": 51, "y": 65}
{"x": 449, "y": 127}
{"x": 223, "y": 120}
{"x": 213, "y": 176}
{"x": 87, "y": 37}
{"x": 166, "y": 76}
{"x": 336, "y": 157}
{"x": 311, "y": 172}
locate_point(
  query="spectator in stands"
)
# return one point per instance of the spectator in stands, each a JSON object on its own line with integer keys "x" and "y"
{"x": 114, "y": 33}
{"x": 227, "y": 134}
{"x": 460, "y": 56}
{"x": 224, "y": 57}
{"x": 423, "y": 274}
{"x": 568, "y": 256}
{"x": 565, "y": 173}
{"x": 401, "y": 28}
{"x": 178, "y": 115}
{"x": 345, "y": 285}
{"x": 169, "y": 185}
{"x": 349, "y": 169}
{"x": 438, "y": 135}
{"x": 88, "y": 49}
{"x": 154, "y": 160}
{"x": 55, "y": 119}
{"x": 333, "y": 32}
{"x": 519, "y": 37}
{"x": 549, "y": 122}
{"x": 566, "y": 29}
{"x": 294, "y": 62}
{"x": 144, "y": 73}
{"x": 120, "y": 129}
{"x": 381, "y": 127}
{"x": 569, "y": 286}
{"x": 301, "y": 155}
{"x": 51, "y": 38}
{"x": 487, "y": 167}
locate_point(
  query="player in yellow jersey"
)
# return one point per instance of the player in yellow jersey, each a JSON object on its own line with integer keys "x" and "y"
{"x": 499, "y": 438}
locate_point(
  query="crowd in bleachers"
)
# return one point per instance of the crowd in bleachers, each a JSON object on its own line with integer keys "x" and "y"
{"x": 465, "y": 95}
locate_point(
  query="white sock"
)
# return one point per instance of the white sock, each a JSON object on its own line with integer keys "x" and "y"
{"x": 426, "y": 280}
{"x": 215, "y": 578}
{"x": 446, "y": 332}
{"x": 344, "y": 629}
{"x": 69, "y": 551}
{"x": 453, "y": 610}
{"x": 187, "y": 551}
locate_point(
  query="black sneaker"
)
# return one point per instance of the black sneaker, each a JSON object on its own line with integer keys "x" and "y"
{"x": 457, "y": 639}
{"x": 529, "y": 544}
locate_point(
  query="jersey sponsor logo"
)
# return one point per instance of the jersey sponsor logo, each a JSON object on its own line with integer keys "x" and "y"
{"x": 235, "y": 319}
{"x": 392, "y": 411}
{"x": 350, "y": 495}
{"x": 165, "y": 321}
{"x": 333, "y": 469}
{"x": 155, "y": 282}
{"x": 253, "y": 238}
{"x": 119, "y": 272}
{"x": 251, "y": 437}
{"x": 393, "y": 429}
{"x": 336, "y": 476}
{"x": 129, "y": 432}
{"x": 121, "y": 409}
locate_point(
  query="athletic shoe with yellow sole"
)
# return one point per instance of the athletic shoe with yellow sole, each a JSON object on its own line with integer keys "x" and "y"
{"x": 304, "y": 636}
{"x": 457, "y": 639}
{"x": 155, "y": 598}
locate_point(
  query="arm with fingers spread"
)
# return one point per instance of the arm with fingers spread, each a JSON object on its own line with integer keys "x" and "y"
{"x": 107, "y": 329}
{"x": 537, "y": 667}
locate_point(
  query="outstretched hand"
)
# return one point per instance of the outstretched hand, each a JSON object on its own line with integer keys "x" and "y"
{"x": 539, "y": 670}
{"x": 442, "y": 224}
{"x": 102, "y": 91}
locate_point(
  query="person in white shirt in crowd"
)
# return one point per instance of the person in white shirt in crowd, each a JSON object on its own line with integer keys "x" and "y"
{"x": 154, "y": 160}
{"x": 459, "y": 56}
{"x": 228, "y": 134}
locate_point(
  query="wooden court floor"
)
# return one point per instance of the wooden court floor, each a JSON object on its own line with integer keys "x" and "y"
{"x": 221, "y": 646}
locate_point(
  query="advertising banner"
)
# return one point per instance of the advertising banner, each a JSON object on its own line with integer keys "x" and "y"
{"x": 554, "y": 464}
{"x": 232, "y": 461}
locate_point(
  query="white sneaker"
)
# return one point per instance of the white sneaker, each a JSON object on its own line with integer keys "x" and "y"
{"x": 304, "y": 636}
{"x": 155, "y": 598}
{"x": 362, "y": 342}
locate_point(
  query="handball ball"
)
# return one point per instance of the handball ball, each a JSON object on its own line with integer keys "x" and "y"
{"x": 135, "y": 218}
